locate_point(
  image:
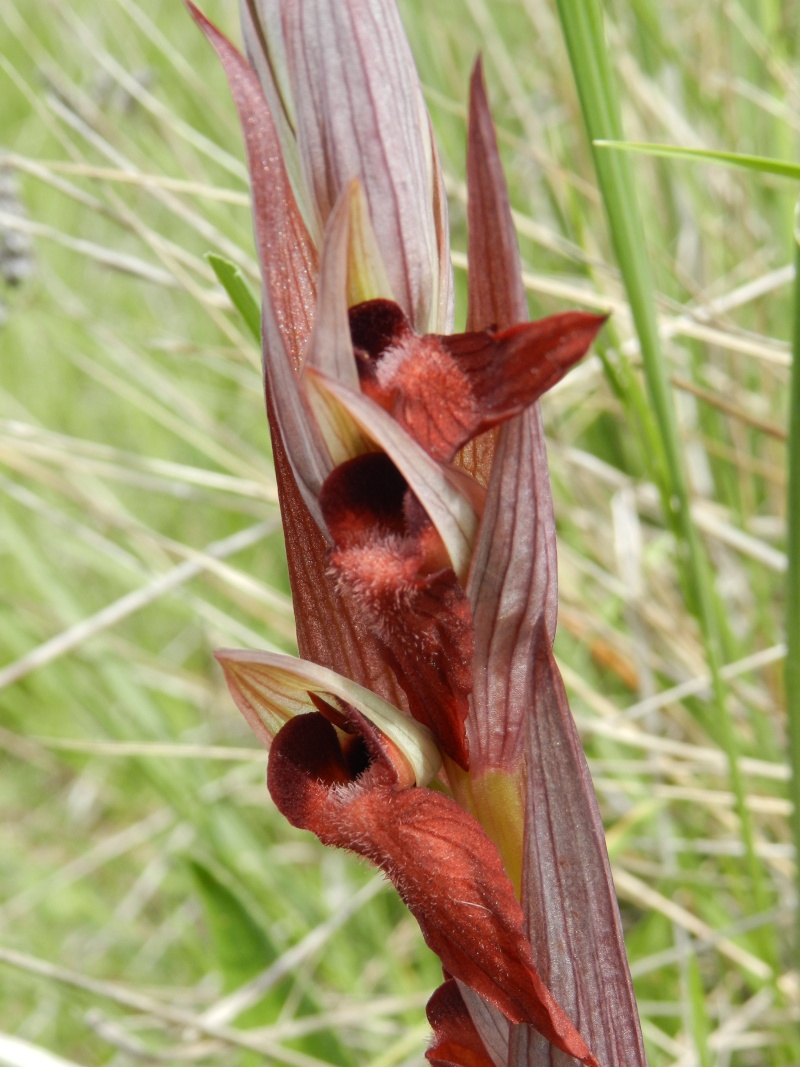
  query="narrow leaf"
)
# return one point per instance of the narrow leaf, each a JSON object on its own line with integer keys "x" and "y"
{"x": 582, "y": 22}
{"x": 792, "y": 674}
{"x": 763, "y": 164}
{"x": 241, "y": 296}
{"x": 240, "y": 942}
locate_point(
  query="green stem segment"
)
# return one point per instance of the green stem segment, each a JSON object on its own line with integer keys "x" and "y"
{"x": 582, "y": 25}
{"x": 793, "y": 589}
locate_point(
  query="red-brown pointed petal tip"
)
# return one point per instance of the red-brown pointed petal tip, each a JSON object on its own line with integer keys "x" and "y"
{"x": 456, "y": 1041}
{"x": 496, "y": 295}
{"x": 510, "y": 370}
{"x": 496, "y": 292}
{"x": 439, "y": 858}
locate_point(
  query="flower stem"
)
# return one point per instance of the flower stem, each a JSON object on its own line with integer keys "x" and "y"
{"x": 582, "y": 25}
{"x": 793, "y": 577}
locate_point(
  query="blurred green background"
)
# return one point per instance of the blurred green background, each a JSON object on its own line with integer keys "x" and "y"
{"x": 153, "y": 907}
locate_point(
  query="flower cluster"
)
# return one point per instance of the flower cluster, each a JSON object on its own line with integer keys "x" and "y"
{"x": 425, "y": 726}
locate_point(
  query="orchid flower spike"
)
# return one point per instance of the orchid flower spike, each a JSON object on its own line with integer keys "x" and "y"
{"x": 426, "y": 726}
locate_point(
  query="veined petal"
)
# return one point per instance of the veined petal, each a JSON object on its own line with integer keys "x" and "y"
{"x": 467, "y": 911}
{"x": 450, "y": 510}
{"x": 360, "y": 114}
{"x": 351, "y": 266}
{"x": 367, "y": 278}
{"x": 343, "y": 436}
{"x": 512, "y": 586}
{"x": 493, "y": 1027}
{"x": 443, "y": 321}
{"x": 269, "y": 689}
{"x": 331, "y": 349}
{"x": 305, "y": 449}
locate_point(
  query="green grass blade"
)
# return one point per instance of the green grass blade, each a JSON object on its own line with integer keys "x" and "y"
{"x": 764, "y": 164}
{"x": 235, "y": 285}
{"x": 582, "y": 26}
{"x": 793, "y": 576}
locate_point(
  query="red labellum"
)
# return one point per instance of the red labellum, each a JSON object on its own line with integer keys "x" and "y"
{"x": 390, "y": 562}
{"x": 445, "y": 390}
{"x": 510, "y": 369}
{"x": 439, "y": 858}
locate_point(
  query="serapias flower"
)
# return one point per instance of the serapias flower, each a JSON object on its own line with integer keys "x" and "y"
{"x": 425, "y": 727}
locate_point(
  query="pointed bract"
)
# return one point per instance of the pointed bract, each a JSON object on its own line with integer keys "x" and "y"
{"x": 286, "y": 252}
{"x": 572, "y": 913}
{"x": 496, "y": 295}
{"x": 512, "y": 587}
{"x": 513, "y": 581}
{"x": 262, "y": 34}
{"x": 288, "y": 264}
{"x": 519, "y": 716}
